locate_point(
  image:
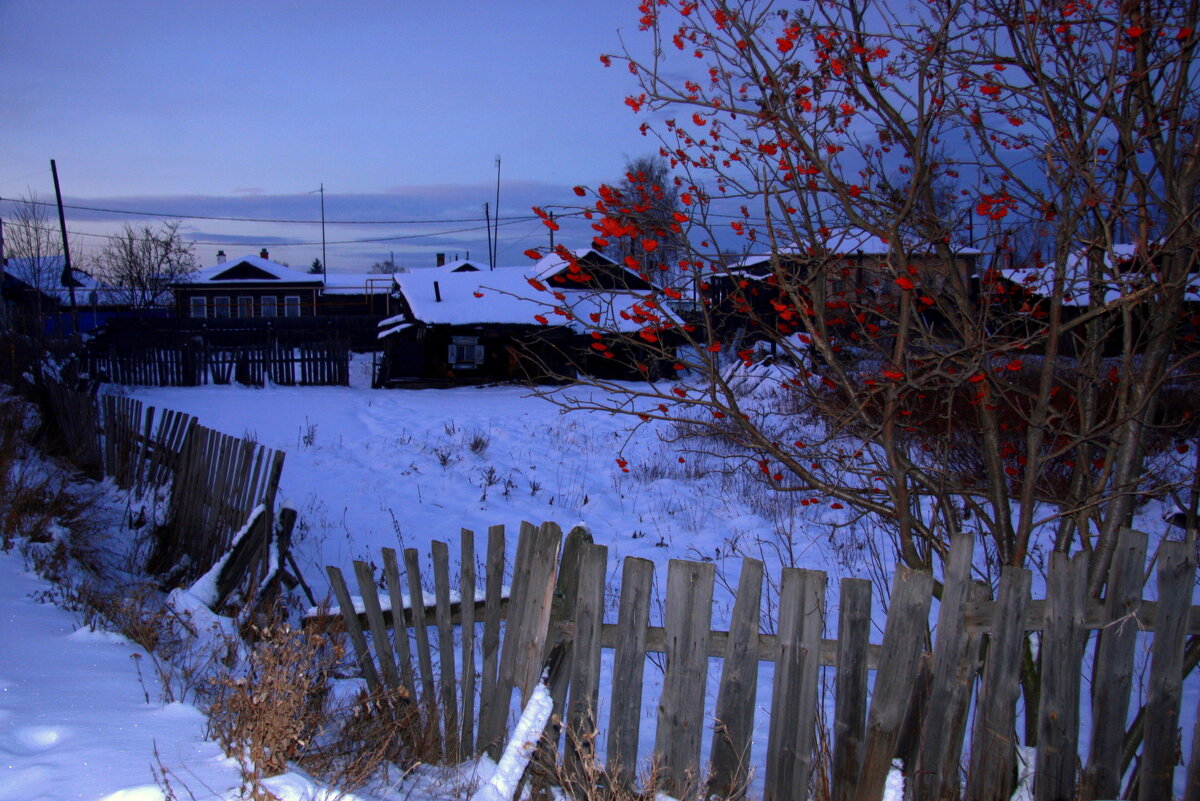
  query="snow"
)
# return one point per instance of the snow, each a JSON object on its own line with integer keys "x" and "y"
{"x": 368, "y": 469}
{"x": 524, "y": 739}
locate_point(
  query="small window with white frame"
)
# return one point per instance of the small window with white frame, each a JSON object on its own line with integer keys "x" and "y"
{"x": 291, "y": 306}
{"x": 221, "y": 306}
{"x": 199, "y": 307}
{"x": 465, "y": 353}
{"x": 270, "y": 306}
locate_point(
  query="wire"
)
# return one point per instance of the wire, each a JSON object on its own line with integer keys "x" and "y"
{"x": 262, "y": 219}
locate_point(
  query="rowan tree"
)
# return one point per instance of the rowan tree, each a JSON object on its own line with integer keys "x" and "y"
{"x": 955, "y": 381}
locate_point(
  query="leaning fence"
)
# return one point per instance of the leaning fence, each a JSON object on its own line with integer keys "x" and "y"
{"x": 950, "y": 713}
{"x": 222, "y": 488}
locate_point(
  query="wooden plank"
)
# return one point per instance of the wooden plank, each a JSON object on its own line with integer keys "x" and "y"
{"x": 792, "y": 735}
{"x": 562, "y": 612}
{"x": 993, "y": 739}
{"x": 980, "y": 617}
{"x": 490, "y": 646}
{"x": 688, "y": 619}
{"x": 1113, "y": 669}
{"x": 629, "y": 661}
{"x": 383, "y": 646}
{"x": 952, "y": 675}
{"x": 495, "y": 723}
{"x": 449, "y": 673}
{"x": 1062, "y": 645}
{"x": 850, "y": 693}
{"x": 956, "y": 722}
{"x": 733, "y": 728}
{"x": 467, "y": 594}
{"x": 536, "y": 626}
{"x": 412, "y": 567}
{"x": 588, "y": 615}
{"x": 1176, "y": 576}
{"x": 391, "y": 572}
{"x": 353, "y": 630}
{"x": 907, "y": 620}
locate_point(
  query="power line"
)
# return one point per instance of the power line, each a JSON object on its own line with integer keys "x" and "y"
{"x": 263, "y": 219}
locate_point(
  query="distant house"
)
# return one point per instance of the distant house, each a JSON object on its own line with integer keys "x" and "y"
{"x": 852, "y": 266}
{"x": 66, "y": 302}
{"x": 250, "y": 286}
{"x": 511, "y": 323}
{"x": 1118, "y": 282}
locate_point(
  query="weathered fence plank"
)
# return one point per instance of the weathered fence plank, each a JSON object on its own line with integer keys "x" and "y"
{"x": 391, "y": 574}
{"x": 490, "y": 645}
{"x": 792, "y": 735}
{"x": 466, "y": 591}
{"x": 629, "y": 662}
{"x": 729, "y": 759}
{"x": 1176, "y": 577}
{"x": 588, "y": 615}
{"x": 1113, "y": 668}
{"x": 441, "y": 584}
{"x": 902, "y": 639}
{"x": 850, "y": 693}
{"x": 952, "y": 677}
{"x": 993, "y": 740}
{"x": 416, "y": 596}
{"x": 1062, "y": 646}
{"x": 353, "y": 629}
{"x": 383, "y": 646}
{"x": 688, "y": 620}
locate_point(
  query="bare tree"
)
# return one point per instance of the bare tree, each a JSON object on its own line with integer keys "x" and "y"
{"x": 33, "y": 247}
{"x": 143, "y": 261}
{"x": 864, "y": 354}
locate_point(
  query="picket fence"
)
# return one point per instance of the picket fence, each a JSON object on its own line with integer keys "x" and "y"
{"x": 951, "y": 714}
{"x": 307, "y": 364}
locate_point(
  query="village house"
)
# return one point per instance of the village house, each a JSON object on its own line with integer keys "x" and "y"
{"x": 456, "y": 325}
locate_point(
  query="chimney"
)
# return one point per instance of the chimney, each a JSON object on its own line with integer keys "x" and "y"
{"x": 262, "y": 254}
{"x": 220, "y": 257}
{"x": 441, "y": 259}
{"x": 437, "y": 291}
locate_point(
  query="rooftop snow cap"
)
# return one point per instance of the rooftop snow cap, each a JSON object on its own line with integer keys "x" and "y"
{"x": 262, "y": 254}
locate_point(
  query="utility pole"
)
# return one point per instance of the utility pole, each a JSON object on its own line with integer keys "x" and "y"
{"x": 324, "y": 258}
{"x": 67, "y": 279}
{"x": 496, "y": 238}
{"x": 552, "y": 231}
{"x": 487, "y": 218}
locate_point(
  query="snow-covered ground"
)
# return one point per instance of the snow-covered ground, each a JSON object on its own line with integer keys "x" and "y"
{"x": 368, "y": 469}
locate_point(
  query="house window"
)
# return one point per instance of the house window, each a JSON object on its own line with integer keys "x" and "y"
{"x": 199, "y": 307}
{"x": 291, "y": 306}
{"x": 245, "y": 306}
{"x": 221, "y": 306}
{"x": 270, "y": 307}
{"x": 465, "y": 353}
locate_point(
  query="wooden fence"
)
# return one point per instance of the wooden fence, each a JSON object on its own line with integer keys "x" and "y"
{"x": 218, "y": 482}
{"x": 309, "y": 364}
{"x": 951, "y": 714}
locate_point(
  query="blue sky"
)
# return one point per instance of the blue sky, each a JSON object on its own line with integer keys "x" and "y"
{"x": 240, "y": 109}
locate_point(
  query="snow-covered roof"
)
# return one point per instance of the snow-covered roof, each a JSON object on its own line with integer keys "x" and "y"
{"x": 249, "y": 270}
{"x": 358, "y": 284}
{"x": 1123, "y": 275}
{"x": 844, "y": 241}
{"x": 511, "y": 296}
{"x": 45, "y": 275}
{"x": 552, "y": 263}
{"x": 462, "y": 266}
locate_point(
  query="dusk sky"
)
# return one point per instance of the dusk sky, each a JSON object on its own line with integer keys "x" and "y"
{"x": 242, "y": 109}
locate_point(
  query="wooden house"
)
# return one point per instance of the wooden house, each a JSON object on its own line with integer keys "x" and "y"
{"x": 507, "y": 324}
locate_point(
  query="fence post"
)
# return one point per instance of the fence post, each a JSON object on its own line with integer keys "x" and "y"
{"x": 850, "y": 688}
{"x": 629, "y": 662}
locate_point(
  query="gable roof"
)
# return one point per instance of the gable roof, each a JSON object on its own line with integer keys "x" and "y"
{"x": 248, "y": 270}
{"x": 1123, "y": 274}
{"x": 511, "y": 296}
{"x": 843, "y": 242}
